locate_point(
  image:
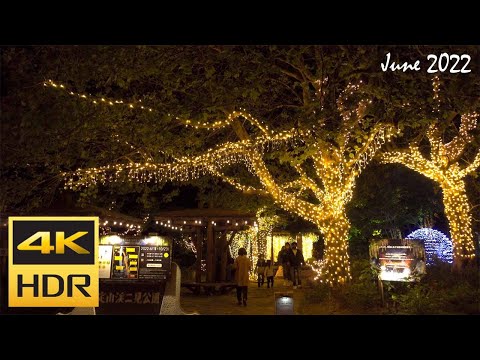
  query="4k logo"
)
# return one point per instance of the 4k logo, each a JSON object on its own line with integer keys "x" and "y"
{"x": 53, "y": 261}
{"x": 45, "y": 247}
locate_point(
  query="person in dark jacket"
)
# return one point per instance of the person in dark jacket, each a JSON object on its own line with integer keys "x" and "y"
{"x": 296, "y": 261}
{"x": 260, "y": 270}
{"x": 286, "y": 263}
{"x": 280, "y": 255}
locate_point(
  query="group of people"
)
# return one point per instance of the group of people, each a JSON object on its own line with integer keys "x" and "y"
{"x": 290, "y": 258}
{"x": 264, "y": 269}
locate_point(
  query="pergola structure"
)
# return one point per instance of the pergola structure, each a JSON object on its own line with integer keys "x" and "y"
{"x": 210, "y": 223}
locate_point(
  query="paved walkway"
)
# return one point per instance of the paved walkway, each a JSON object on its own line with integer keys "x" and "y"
{"x": 260, "y": 302}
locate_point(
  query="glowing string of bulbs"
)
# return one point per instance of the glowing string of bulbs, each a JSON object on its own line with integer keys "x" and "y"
{"x": 336, "y": 171}
{"x": 218, "y": 124}
{"x": 443, "y": 167}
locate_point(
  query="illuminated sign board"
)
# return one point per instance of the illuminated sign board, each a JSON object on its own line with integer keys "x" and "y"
{"x": 135, "y": 258}
{"x": 398, "y": 263}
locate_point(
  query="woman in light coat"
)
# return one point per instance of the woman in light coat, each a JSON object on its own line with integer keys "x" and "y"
{"x": 242, "y": 267}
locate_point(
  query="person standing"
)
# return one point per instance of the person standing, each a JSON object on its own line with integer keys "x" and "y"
{"x": 242, "y": 267}
{"x": 296, "y": 261}
{"x": 280, "y": 255}
{"x": 260, "y": 270}
{"x": 269, "y": 273}
{"x": 286, "y": 264}
{"x": 420, "y": 269}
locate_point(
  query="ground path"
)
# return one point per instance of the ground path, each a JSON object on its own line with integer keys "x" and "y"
{"x": 260, "y": 302}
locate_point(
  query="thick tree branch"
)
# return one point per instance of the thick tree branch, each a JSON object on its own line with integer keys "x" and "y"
{"x": 413, "y": 159}
{"x": 286, "y": 200}
{"x": 455, "y": 148}
{"x": 370, "y": 147}
{"x": 291, "y": 184}
{"x": 437, "y": 152}
{"x": 472, "y": 167}
{"x": 303, "y": 76}
{"x": 247, "y": 189}
{"x": 309, "y": 183}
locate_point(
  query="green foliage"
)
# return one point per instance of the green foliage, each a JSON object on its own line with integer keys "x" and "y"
{"x": 462, "y": 298}
{"x": 420, "y": 300}
{"x": 390, "y": 200}
{"x": 362, "y": 293}
{"x": 45, "y": 131}
{"x": 441, "y": 291}
{"x": 362, "y": 296}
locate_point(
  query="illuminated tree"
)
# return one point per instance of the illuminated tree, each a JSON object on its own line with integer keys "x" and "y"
{"x": 445, "y": 166}
{"x": 326, "y": 170}
{"x": 294, "y": 89}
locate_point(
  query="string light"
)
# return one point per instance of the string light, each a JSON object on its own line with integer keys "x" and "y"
{"x": 218, "y": 124}
{"x": 436, "y": 92}
{"x": 128, "y": 229}
{"x": 317, "y": 267}
{"x": 444, "y": 168}
{"x": 187, "y": 243}
{"x": 95, "y": 100}
{"x": 183, "y": 169}
{"x": 437, "y": 245}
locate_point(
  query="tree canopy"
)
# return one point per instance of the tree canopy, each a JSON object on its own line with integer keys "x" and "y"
{"x": 47, "y": 131}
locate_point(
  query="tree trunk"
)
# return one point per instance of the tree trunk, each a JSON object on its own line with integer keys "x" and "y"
{"x": 457, "y": 210}
{"x": 336, "y": 270}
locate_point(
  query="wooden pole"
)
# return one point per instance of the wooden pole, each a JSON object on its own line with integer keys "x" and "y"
{"x": 380, "y": 285}
{"x": 223, "y": 261}
{"x": 210, "y": 252}
{"x": 199, "y": 246}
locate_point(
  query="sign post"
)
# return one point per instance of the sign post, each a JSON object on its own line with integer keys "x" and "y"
{"x": 284, "y": 303}
{"x": 133, "y": 273}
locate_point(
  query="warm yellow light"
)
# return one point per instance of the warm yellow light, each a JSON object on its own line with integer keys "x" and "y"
{"x": 444, "y": 168}
{"x": 335, "y": 167}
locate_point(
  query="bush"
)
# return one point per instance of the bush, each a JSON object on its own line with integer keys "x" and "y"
{"x": 317, "y": 294}
{"x": 419, "y": 299}
{"x": 358, "y": 296}
{"x": 461, "y": 298}
{"x": 442, "y": 290}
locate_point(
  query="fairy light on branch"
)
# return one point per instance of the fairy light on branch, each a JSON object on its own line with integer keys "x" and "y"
{"x": 444, "y": 168}
{"x": 183, "y": 169}
{"x": 317, "y": 267}
{"x": 335, "y": 165}
{"x": 218, "y": 124}
{"x": 97, "y": 100}
{"x": 228, "y": 121}
{"x": 436, "y": 94}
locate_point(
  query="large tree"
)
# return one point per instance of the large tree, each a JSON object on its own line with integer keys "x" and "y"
{"x": 65, "y": 128}
{"x": 447, "y": 160}
{"x": 326, "y": 169}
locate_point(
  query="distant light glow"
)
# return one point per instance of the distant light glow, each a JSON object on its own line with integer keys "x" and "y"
{"x": 395, "y": 274}
{"x": 437, "y": 245}
{"x": 111, "y": 239}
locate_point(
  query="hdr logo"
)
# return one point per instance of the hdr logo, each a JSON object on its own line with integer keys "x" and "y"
{"x": 53, "y": 261}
